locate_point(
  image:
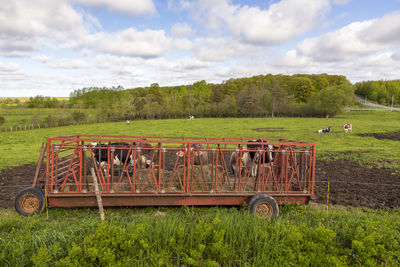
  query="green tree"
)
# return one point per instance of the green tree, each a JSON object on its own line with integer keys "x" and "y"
{"x": 330, "y": 101}
{"x": 302, "y": 89}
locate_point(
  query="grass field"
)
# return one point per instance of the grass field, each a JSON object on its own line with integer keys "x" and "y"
{"x": 23, "y": 147}
{"x": 301, "y": 236}
{"x": 24, "y": 116}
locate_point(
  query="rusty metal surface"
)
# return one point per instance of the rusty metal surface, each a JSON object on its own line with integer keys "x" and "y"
{"x": 127, "y": 200}
{"x": 175, "y": 170}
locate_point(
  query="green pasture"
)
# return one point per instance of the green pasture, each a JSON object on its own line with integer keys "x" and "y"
{"x": 217, "y": 236}
{"x": 185, "y": 236}
{"x": 15, "y": 117}
{"x": 22, "y": 147}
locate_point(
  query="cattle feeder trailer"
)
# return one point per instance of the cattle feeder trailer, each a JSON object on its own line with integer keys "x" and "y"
{"x": 170, "y": 171}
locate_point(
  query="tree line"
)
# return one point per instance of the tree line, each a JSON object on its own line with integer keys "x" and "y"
{"x": 380, "y": 91}
{"x": 262, "y": 95}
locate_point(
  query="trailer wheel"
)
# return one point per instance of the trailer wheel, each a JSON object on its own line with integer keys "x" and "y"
{"x": 29, "y": 201}
{"x": 263, "y": 206}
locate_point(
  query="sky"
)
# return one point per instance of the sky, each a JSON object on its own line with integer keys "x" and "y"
{"x": 52, "y": 47}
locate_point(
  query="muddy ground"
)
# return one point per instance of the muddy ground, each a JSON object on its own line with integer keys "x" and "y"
{"x": 390, "y": 136}
{"x": 350, "y": 184}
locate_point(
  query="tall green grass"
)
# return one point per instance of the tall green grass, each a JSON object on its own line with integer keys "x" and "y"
{"x": 185, "y": 236}
{"x": 301, "y": 236}
{"x": 23, "y": 147}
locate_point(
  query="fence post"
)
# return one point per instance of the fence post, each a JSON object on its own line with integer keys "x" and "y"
{"x": 327, "y": 200}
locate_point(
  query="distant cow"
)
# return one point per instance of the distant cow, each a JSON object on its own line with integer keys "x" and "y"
{"x": 326, "y": 130}
{"x": 191, "y": 117}
{"x": 348, "y": 127}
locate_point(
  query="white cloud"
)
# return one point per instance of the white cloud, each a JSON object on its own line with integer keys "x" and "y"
{"x": 70, "y": 64}
{"x": 9, "y": 67}
{"x": 384, "y": 30}
{"x": 42, "y": 58}
{"x": 24, "y": 23}
{"x": 220, "y": 49}
{"x": 179, "y": 5}
{"x": 131, "y": 7}
{"x": 354, "y": 40}
{"x": 181, "y": 30}
{"x": 182, "y": 64}
{"x": 340, "y": 2}
{"x": 131, "y": 42}
{"x": 281, "y": 22}
{"x": 396, "y": 56}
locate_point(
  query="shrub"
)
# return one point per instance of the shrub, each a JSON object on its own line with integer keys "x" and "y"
{"x": 78, "y": 116}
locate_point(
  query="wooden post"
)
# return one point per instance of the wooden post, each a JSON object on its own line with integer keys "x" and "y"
{"x": 98, "y": 195}
{"x": 40, "y": 161}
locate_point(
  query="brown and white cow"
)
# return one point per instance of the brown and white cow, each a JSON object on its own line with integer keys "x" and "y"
{"x": 347, "y": 127}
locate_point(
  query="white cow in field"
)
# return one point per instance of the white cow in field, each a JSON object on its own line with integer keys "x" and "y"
{"x": 347, "y": 127}
{"x": 191, "y": 117}
{"x": 326, "y": 130}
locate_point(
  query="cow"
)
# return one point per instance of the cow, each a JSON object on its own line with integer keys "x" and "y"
{"x": 245, "y": 160}
{"x": 146, "y": 155}
{"x": 121, "y": 155}
{"x": 100, "y": 153}
{"x": 200, "y": 157}
{"x": 255, "y": 154}
{"x": 347, "y": 127}
{"x": 191, "y": 117}
{"x": 326, "y": 130}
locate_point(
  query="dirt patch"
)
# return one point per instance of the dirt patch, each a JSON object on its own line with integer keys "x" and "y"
{"x": 350, "y": 184}
{"x": 390, "y": 136}
{"x": 269, "y": 130}
{"x": 12, "y": 181}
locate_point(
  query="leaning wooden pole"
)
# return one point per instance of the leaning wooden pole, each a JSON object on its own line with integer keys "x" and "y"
{"x": 98, "y": 195}
{"x": 40, "y": 161}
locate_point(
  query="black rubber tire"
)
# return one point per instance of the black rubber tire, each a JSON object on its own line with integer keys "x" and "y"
{"x": 263, "y": 206}
{"x": 29, "y": 201}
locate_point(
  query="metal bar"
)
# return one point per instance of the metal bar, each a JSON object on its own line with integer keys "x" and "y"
{"x": 40, "y": 161}
{"x": 195, "y": 140}
{"x": 189, "y": 155}
{"x": 69, "y": 200}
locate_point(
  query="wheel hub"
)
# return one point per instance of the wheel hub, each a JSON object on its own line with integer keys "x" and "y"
{"x": 29, "y": 203}
{"x": 264, "y": 210}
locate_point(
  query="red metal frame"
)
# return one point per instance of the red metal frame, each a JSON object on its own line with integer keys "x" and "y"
{"x": 177, "y": 174}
